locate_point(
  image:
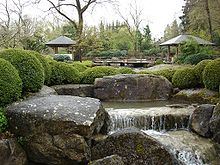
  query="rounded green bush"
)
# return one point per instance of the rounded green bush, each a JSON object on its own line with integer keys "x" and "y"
{"x": 29, "y": 68}
{"x": 125, "y": 70}
{"x": 211, "y": 75}
{"x": 10, "y": 83}
{"x": 45, "y": 64}
{"x": 199, "y": 70}
{"x": 196, "y": 58}
{"x": 91, "y": 74}
{"x": 168, "y": 73}
{"x": 79, "y": 66}
{"x": 184, "y": 78}
{"x": 3, "y": 120}
{"x": 159, "y": 61}
{"x": 63, "y": 73}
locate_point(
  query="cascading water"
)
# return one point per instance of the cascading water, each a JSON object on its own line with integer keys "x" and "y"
{"x": 157, "y": 121}
{"x": 155, "y": 118}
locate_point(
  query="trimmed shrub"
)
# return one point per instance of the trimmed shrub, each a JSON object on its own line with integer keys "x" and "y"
{"x": 29, "y": 68}
{"x": 91, "y": 74}
{"x": 10, "y": 83}
{"x": 61, "y": 57}
{"x": 199, "y": 70}
{"x": 168, "y": 73}
{"x": 63, "y": 73}
{"x": 184, "y": 78}
{"x": 126, "y": 70}
{"x": 196, "y": 58}
{"x": 45, "y": 64}
{"x": 3, "y": 120}
{"x": 159, "y": 61}
{"x": 211, "y": 75}
{"x": 79, "y": 66}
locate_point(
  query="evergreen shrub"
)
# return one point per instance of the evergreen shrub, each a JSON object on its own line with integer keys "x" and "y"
{"x": 125, "y": 70}
{"x": 89, "y": 75}
{"x": 80, "y": 66}
{"x": 29, "y": 68}
{"x": 168, "y": 73}
{"x": 211, "y": 75}
{"x": 184, "y": 78}
{"x": 199, "y": 70}
{"x": 10, "y": 83}
{"x": 45, "y": 64}
{"x": 63, "y": 73}
{"x": 196, "y": 58}
{"x": 61, "y": 57}
{"x": 3, "y": 120}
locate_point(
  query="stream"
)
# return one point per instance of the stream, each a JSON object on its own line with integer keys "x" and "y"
{"x": 168, "y": 123}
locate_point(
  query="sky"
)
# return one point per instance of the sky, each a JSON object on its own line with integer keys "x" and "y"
{"x": 155, "y": 13}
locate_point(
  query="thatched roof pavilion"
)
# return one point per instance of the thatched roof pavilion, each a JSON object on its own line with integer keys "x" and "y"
{"x": 176, "y": 41}
{"x": 61, "y": 41}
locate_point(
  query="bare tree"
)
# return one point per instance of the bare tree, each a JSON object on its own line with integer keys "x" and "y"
{"x": 79, "y": 7}
{"x": 133, "y": 21}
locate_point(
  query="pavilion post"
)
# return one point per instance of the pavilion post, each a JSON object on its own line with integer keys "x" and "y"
{"x": 56, "y": 50}
{"x": 168, "y": 58}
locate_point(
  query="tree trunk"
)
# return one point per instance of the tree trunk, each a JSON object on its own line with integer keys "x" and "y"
{"x": 209, "y": 19}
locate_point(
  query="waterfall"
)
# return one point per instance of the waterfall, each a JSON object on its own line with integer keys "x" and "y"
{"x": 156, "y": 118}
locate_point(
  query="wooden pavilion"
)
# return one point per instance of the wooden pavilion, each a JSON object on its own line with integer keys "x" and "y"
{"x": 61, "y": 41}
{"x": 181, "y": 39}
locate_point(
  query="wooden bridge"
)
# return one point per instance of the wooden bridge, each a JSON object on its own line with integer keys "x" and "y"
{"x": 124, "y": 62}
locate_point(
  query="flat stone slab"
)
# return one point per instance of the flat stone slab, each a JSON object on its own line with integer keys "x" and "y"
{"x": 82, "y": 90}
{"x": 57, "y": 129}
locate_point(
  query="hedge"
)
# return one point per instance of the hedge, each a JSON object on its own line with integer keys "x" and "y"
{"x": 10, "y": 83}
{"x": 184, "y": 78}
{"x": 89, "y": 75}
{"x": 63, "y": 73}
{"x": 211, "y": 75}
{"x": 46, "y": 66}
{"x": 125, "y": 70}
{"x": 196, "y": 58}
{"x": 29, "y": 68}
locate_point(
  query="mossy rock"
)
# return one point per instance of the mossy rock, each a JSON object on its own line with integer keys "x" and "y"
{"x": 211, "y": 75}
{"x": 29, "y": 68}
{"x": 10, "y": 83}
{"x": 185, "y": 78}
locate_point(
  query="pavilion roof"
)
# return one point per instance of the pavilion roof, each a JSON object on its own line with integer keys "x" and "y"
{"x": 61, "y": 41}
{"x": 182, "y": 38}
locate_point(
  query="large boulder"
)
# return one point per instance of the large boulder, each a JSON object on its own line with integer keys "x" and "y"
{"x": 201, "y": 95}
{"x": 11, "y": 153}
{"x": 109, "y": 160}
{"x": 215, "y": 123}
{"x": 132, "y": 87}
{"x": 200, "y": 118}
{"x": 135, "y": 147}
{"x": 83, "y": 90}
{"x": 57, "y": 129}
{"x": 45, "y": 91}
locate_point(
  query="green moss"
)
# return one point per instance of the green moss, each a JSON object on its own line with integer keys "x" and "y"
{"x": 29, "y": 68}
